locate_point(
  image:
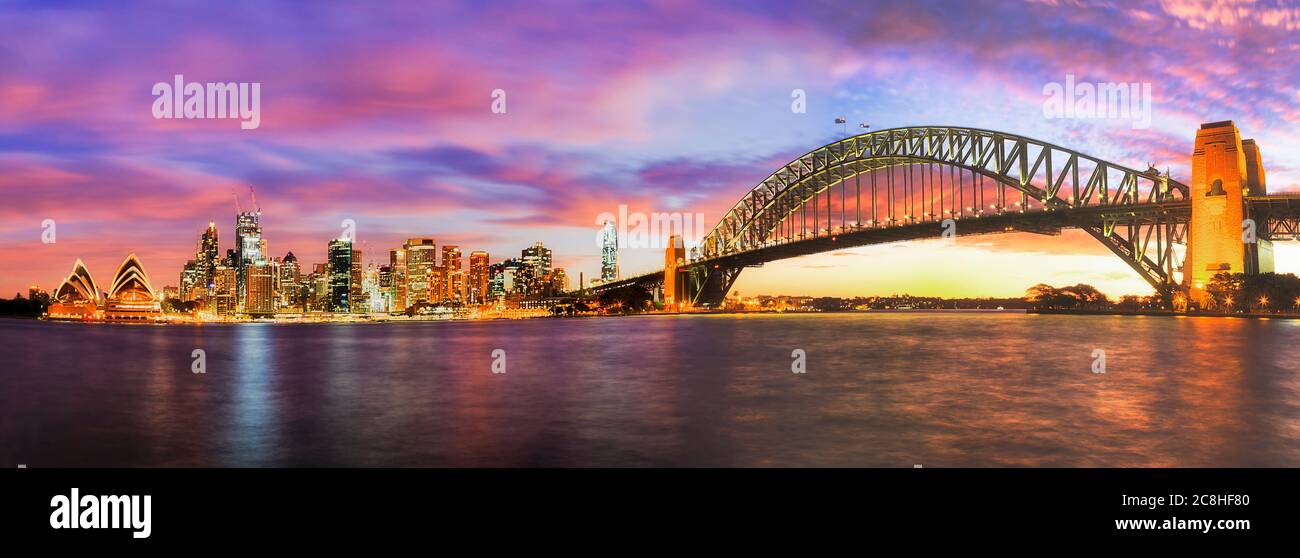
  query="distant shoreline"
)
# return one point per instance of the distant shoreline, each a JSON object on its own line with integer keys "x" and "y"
{"x": 1117, "y": 312}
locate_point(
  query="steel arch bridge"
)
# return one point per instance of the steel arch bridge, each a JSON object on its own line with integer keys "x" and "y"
{"x": 920, "y": 182}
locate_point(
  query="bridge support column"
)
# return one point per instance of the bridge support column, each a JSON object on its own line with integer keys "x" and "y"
{"x": 1224, "y": 171}
{"x": 676, "y": 298}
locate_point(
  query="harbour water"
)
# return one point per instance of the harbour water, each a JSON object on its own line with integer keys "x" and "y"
{"x": 900, "y": 389}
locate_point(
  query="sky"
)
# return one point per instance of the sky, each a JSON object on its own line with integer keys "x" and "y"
{"x": 382, "y": 113}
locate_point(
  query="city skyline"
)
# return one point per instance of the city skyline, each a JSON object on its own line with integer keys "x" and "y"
{"x": 672, "y": 114}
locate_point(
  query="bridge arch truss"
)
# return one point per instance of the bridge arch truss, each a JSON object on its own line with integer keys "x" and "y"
{"x": 924, "y": 176}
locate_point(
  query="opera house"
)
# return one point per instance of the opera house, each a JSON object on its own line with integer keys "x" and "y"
{"x": 130, "y": 298}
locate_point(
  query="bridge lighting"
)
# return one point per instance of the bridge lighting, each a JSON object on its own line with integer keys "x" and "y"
{"x": 1263, "y": 301}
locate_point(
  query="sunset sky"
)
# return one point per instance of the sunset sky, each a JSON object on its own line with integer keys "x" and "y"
{"x": 381, "y": 113}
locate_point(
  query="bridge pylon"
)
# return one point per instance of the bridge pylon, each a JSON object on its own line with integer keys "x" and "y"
{"x": 1225, "y": 170}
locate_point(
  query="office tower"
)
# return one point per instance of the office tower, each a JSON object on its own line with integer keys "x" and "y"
{"x": 397, "y": 261}
{"x": 320, "y": 287}
{"x": 191, "y": 281}
{"x": 609, "y": 253}
{"x": 340, "y": 274}
{"x": 387, "y": 292}
{"x": 537, "y": 257}
{"x": 225, "y": 287}
{"x": 248, "y": 246}
{"x": 358, "y": 301}
{"x": 259, "y": 286}
{"x": 509, "y": 278}
{"x": 453, "y": 275}
{"x": 290, "y": 282}
{"x": 207, "y": 258}
{"x": 478, "y": 276}
{"x": 421, "y": 257}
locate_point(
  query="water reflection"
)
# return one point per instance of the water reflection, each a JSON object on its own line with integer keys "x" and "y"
{"x": 881, "y": 390}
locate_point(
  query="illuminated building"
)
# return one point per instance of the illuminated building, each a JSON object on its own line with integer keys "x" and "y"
{"x": 225, "y": 287}
{"x": 290, "y": 292}
{"x": 509, "y": 278}
{"x": 320, "y": 288}
{"x": 358, "y": 300}
{"x": 132, "y": 297}
{"x": 77, "y": 297}
{"x": 397, "y": 261}
{"x": 557, "y": 281}
{"x": 609, "y": 253}
{"x": 453, "y": 283}
{"x": 248, "y": 245}
{"x": 421, "y": 256}
{"x": 537, "y": 257}
{"x": 259, "y": 288}
{"x": 205, "y": 259}
{"x": 171, "y": 293}
{"x": 340, "y": 274}
{"x": 478, "y": 276}
{"x": 192, "y": 282}
{"x": 387, "y": 294}
{"x": 37, "y": 294}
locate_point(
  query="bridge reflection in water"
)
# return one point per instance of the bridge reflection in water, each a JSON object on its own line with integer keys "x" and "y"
{"x": 918, "y": 182}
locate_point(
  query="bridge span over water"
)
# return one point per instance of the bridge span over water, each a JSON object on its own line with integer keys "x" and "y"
{"x": 934, "y": 181}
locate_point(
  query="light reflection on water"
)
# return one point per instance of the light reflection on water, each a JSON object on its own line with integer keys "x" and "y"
{"x": 940, "y": 389}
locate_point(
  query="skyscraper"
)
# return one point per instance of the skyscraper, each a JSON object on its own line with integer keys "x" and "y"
{"x": 191, "y": 281}
{"x": 478, "y": 276}
{"x": 358, "y": 300}
{"x": 207, "y": 257}
{"x": 538, "y": 257}
{"x": 248, "y": 246}
{"x": 421, "y": 257}
{"x": 224, "y": 287}
{"x": 259, "y": 282}
{"x": 340, "y": 274}
{"x": 290, "y": 282}
{"x": 453, "y": 283}
{"x": 386, "y": 291}
{"x": 397, "y": 261}
{"x": 609, "y": 253}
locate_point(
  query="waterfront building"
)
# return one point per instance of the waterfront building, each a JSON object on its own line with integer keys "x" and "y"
{"x": 77, "y": 297}
{"x": 421, "y": 257}
{"x": 397, "y": 262}
{"x": 224, "y": 300}
{"x": 358, "y": 299}
{"x": 478, "y": 277}
{"x": 340, "y": 274}
{"x": 453, "y": 277}
{"x": 290, "y": 292}
{"x": 131, "y": 296}
{"x": 259, "y": 282}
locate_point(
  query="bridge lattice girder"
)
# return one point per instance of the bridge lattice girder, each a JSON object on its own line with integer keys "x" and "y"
{"x": 1135, "y": 221}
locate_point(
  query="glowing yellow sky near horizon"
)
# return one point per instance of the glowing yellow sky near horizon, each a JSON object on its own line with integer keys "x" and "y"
{"x": 967, "y": 268}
